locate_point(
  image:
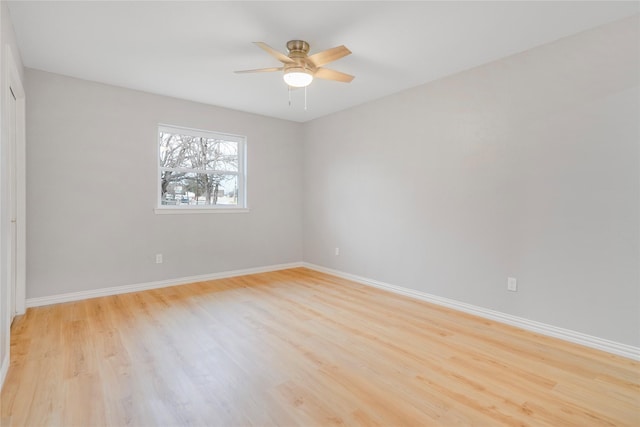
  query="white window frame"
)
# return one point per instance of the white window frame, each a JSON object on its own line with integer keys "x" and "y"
{"x": 196, "y": 209}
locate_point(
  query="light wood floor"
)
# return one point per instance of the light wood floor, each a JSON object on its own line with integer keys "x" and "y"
{"x": 298, "y": 347}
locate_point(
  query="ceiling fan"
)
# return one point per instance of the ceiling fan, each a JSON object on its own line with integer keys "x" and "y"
{"x": 299, "y": 68}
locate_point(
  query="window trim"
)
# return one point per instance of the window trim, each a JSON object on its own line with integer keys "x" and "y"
{"x": 242, "y": 206}
{"x": 171, "y": 210}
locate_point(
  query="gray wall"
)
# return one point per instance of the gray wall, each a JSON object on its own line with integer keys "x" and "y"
{"x": 524, "y": 167}
{"x": 92, "y": 182}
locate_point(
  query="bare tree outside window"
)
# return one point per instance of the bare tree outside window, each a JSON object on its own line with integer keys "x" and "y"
{"x": 199, "y": 168}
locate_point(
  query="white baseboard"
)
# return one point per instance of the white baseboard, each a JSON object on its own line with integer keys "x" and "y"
{"x": 530, "y": 325}
{"x": 82, "y": 295}
{"x": 542, "y": 328}
{"x": 4, "y": 368}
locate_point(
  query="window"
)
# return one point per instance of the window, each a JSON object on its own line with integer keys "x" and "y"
{"x": 200, "y": 170}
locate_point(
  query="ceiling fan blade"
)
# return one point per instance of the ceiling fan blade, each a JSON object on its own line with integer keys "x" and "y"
{"x": 327, "y": 74}
{"x": 329, "y": 55}
{"x": 271, "y": 51}
{"x": 260, "y": 70}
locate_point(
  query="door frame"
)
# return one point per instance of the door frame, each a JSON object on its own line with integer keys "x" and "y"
{"x": 14, "y": 81}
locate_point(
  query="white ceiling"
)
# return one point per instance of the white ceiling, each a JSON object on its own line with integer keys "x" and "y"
{"x": 189, "y": 50}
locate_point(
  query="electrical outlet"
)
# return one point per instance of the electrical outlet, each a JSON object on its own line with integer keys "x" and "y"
{"x": 158, "y": 258}
{"x": 337, "y": 251}
{"x": 512, "y": 284}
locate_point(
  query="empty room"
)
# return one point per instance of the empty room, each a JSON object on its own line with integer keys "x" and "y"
{"x": 301, "y": 213}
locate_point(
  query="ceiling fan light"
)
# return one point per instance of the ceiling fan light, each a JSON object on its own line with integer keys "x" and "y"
{"x": 298, "y": 77}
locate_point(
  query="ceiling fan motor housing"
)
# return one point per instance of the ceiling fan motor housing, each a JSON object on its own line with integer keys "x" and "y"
{"x": 298, "y": 46}
{"x": 298, "y": 50}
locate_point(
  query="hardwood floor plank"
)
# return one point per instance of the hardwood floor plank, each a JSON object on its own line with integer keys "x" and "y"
{"x": 298, "y": 347}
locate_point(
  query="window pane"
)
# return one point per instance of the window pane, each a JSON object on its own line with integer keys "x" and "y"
{"x": 197, "y": 152}
{"x": 222, "y": 155}
{"x": 198, "y": 189}
{"x": 228, "y": 190}
{"x": 175, "y": 150}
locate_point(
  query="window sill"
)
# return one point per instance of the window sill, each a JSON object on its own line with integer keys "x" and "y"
{"x": 182, "y": 211}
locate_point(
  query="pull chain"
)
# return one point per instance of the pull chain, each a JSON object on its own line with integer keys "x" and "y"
{"x": 305, "y": 97}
